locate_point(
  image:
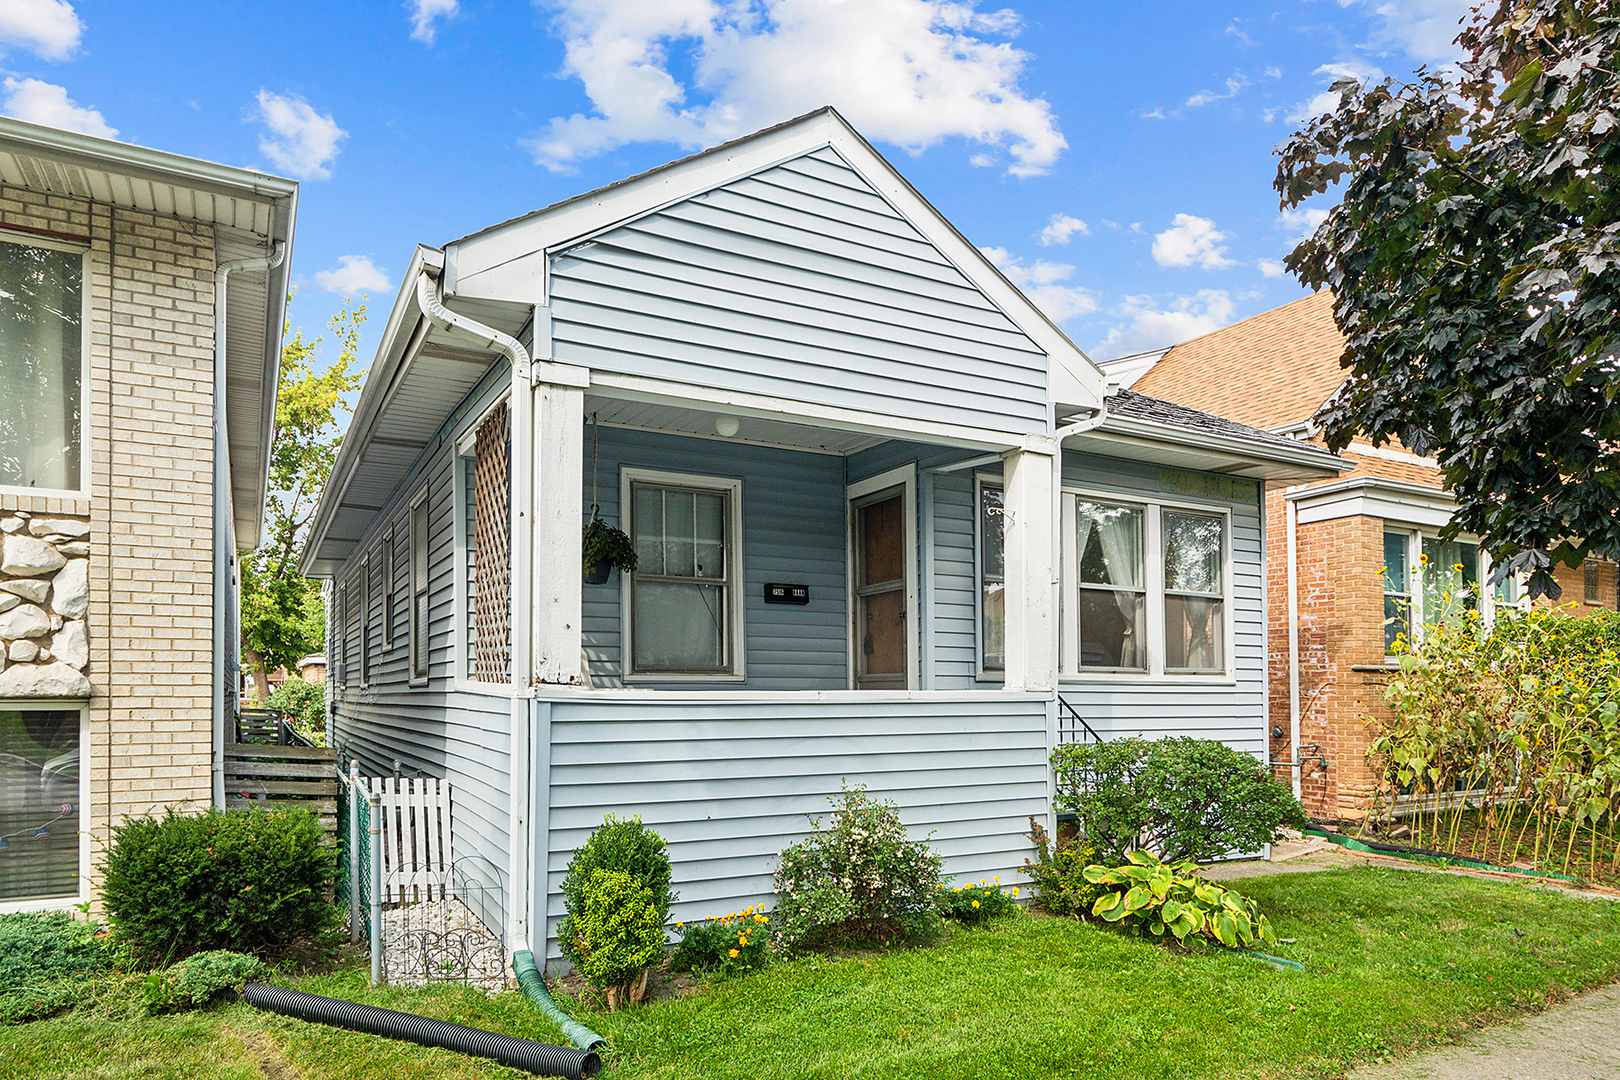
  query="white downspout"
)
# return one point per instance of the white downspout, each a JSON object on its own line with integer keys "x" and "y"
{"x": 521, "y": 525}
{"x": 1291, "y": 514}
{"x": 222, "y": 522}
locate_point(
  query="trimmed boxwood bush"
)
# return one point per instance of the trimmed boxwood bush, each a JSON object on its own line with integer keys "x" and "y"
{"x": 1180, "y": 798}
{"x": 250, "y": 881}
{"x": 618, "y": 897}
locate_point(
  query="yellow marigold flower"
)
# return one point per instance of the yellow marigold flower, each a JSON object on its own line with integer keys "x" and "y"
{"x": 759, "y": 918}
{"x": 742, "y": 940}
{"x": 975, "y": 903}
{"x": 1015, "y": 890}
{"x": 998, "y": 881}
{"x": 734, "y": 954}
{"x": 680, "y": 926}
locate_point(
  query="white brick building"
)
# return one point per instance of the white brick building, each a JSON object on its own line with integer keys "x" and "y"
{"x": 138, "y": 291}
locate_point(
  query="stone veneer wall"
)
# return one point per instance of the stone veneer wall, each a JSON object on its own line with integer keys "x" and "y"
{"x": 44, "y": 597}
{"x": 149, "y": 410}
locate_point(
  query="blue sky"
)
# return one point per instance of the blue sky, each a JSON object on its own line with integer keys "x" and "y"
{"x": 1114, "y": 159}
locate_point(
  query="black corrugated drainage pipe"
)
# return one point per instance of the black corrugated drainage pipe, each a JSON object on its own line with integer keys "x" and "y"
{"x": 529, "y": 980}
{"x": 518, "y": 1053}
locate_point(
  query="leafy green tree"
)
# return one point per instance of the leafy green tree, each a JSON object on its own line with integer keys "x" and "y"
{"x": 283, "y": 618}
{"x": 1474, "y": 259}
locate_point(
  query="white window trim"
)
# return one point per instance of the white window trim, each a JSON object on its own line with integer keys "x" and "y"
{"x": 904, "y": 477}
{"x": 980, "y": 482}
{"x": 385, "y": 547}
{"x": 1488, "y": 603}
{"x": 86, "y": 336}
{"x": 365, "y": 622}
{"x": 412, "y": 632}
{"x": 63, "y": 903}
{"x": 736, "y": 602}
{"x": 1069, "y": 669}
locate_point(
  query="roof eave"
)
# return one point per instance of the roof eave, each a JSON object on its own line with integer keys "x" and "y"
{"x": 1246, "y": 456}
{"x": 286, "y": 214}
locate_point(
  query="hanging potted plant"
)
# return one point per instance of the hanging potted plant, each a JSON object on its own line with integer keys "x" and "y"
{"x": 604, "y": 549}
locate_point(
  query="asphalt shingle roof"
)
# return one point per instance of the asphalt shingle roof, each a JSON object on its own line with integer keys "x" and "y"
{"x": 1138, "y": 406}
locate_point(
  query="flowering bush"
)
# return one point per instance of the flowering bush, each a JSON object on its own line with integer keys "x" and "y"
{"x": 858, "y": 882}
{"x": 974, "y": 904}
{"x": 724, "y": 945}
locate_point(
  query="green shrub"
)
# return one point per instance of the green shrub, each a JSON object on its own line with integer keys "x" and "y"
{"x": 975, "y": 904}
{"x": 858, "y": 883}
{"x": 246, "y": 880}
{"x": 200, "y": 979}
{"x": 1181, "y": 798}
{"x": 1151, "y": 897}
{"x": 1059, "y": 874}
{"x": 624, "y": 847}
{"x": 39, "y": 948}
{"x": 618, "y": 935}
{"x": 304, "y": 706}
{"x": 726, "y": 945}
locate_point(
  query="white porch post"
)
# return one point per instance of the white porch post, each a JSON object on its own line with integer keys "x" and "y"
{"x": 1031, "y": 569}
{"x": 559, "y": 470}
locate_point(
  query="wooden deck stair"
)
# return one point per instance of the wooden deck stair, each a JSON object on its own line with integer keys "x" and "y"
{"x": 304, "y": 776}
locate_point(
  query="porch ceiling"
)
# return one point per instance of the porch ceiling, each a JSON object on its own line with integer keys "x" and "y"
{"x": 752, "y": 429}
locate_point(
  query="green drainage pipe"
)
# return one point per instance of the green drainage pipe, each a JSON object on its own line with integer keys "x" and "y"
{"x": 1275, "y": 961}
{"x": 1378, "y": 847}
{"x": 528, "y": 977}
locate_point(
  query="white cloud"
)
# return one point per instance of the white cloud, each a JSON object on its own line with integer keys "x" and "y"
{"x": 1156, "y": 113}
{"x": 300, "y": 141}
{"x": 45, "y": 103}
{"x": 1191, "y": 241}
{"x": 1061, "y": 229}
{"x": 1422, "y": 29}
{"x": 1234, "y": 86}
{"x": 1272, "y": 268}
{"x": 47, "y": 28}
{"x": 1153, "y": 327}
{"x": 908, "y": 72}
{"x": 425, "y": 13}
{"x": 354, "y": 274}
{"x": 1301, "y": 221}
{"x": 1042, "y": 282}
{"x": 1328, "y": 100}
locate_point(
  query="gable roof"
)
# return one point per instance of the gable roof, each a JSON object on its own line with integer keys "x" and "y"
{"x": 250, "y": 211}
{"x": 509, "y": 260}
{"x": 1269, "y": 371}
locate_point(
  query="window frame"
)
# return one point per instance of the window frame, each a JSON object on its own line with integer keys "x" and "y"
{"x": 1591, "y": 584}
{"x": 385, "y": 549}
{"x": 735, "y": 584}
{"x": 1154, "y": 591}
{"x": 416, "y": 622}
{"x": 365, "y": 622}
{"x": 27, "y": 238}
{"x": 1488, "y": 604}
{"x": 981, "y": 671}
{"x": 86, "y": 865}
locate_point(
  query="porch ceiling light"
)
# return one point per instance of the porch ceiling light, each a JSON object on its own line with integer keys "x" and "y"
{"x": 726, "y": 426}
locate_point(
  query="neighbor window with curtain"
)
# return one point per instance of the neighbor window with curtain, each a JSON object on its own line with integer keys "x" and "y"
{"x": 41, "y": 366}
{"x": 1194, "y": 592}
{"x": 1112, "y": 592}
{"x": 681, "y": 592}
{"x": 40, "y": 803}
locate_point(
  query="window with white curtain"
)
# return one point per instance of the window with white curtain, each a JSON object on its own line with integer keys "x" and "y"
{"x": 682, "y": 597}
{"x": 1194, "y": 592}
{"x": 42, "y": 299}
{"x": 1112, "y": 590}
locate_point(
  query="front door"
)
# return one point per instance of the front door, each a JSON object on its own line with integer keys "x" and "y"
{"x": 880, "y": 590}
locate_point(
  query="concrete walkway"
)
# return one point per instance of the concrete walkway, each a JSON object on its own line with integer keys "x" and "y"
{"x": 1578, "y": 1040}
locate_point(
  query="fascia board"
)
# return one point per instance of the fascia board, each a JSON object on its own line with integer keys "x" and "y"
{"x": 392, "y": 351}
{"x": 1304, "y": 463}
{"x": 275, "y": 316}
{"x": 1410, "y": 504}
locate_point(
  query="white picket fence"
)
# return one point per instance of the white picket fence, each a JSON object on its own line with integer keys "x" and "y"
{"x": 417, "y": 854}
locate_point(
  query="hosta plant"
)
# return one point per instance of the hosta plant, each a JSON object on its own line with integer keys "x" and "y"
{"x": 1157, "y": 898}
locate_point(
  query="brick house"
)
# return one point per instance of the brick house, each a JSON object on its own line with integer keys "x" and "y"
{"x": 1354, "y": 561}
{"x": 141, "y": 304}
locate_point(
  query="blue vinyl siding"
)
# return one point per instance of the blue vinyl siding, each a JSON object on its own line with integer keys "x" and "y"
{"x": 729, "y": 784}
{"x": 793, "y": 519}
{"x": 799, "y": 282}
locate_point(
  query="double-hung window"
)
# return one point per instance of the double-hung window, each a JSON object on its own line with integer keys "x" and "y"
{"x": 419, "y": 589}
{"x": 42, "y": 365}
{"x": 1146, "y": 587}
{"x": 43, "y": 853}
{"x": 683, "y": 601}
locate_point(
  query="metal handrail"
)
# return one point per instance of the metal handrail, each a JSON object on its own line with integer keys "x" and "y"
{"x": 1076, "y": 724}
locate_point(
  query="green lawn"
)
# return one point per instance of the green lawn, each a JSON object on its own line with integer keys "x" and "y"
{"x": 1394, "y": 961}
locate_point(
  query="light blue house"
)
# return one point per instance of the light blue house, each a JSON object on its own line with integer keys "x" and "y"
{"x": 891, "y": 528}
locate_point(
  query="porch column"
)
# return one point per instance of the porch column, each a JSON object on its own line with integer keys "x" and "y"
{"x": 559, "y": 470}
{"x": 1031, "y": 569}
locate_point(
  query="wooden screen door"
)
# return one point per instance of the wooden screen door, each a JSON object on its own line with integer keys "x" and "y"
{"x": 880, "y": 590}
